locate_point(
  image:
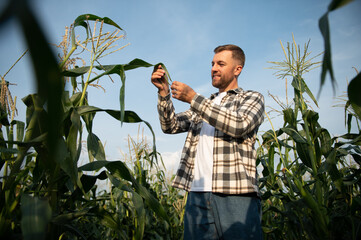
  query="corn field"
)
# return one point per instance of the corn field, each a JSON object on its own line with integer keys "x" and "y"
{"x": 310, "y": 181}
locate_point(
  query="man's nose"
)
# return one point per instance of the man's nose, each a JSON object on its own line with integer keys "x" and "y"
{"x": 214, "y": 68}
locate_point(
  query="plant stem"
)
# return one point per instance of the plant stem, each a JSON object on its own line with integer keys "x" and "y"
{"x": 15, "y": 63}
{"x": 285, "y": 163}
{"x": 312, "y": 152}
{"x": 81, "y": 102}
{"x": 73, "y": 48}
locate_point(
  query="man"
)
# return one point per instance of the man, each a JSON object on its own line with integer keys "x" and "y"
{"x": 218, "y": 162}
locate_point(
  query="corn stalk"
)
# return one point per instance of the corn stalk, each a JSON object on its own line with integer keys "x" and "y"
{"x": 43, "y": 176}
{"x": 300, "y": 194}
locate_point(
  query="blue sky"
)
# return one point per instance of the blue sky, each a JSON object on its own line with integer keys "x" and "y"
{"x": 182, "y": 35}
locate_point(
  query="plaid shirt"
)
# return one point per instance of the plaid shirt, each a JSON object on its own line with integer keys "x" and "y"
{"x": 236, "y": 123}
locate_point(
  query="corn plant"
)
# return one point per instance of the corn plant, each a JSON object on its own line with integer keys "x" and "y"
{"x": 310, "y": 182}
{"x": 126, "y": 214}
{"x": 44, "y": 193}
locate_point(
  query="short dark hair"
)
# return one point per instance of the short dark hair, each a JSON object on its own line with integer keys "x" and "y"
{"x": 237, "y": 52}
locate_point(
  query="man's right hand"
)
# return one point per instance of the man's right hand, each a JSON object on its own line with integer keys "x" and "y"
{"x": 159, "y": 80}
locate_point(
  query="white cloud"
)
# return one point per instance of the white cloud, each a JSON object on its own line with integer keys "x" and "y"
{"x": 171, "y": 161}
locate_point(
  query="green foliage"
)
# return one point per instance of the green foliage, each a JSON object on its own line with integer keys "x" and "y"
{"x": 44, "y": 193}
{"x": 325, "y": 31}
{"x": 354, "y": 95}
{"x": 310, "y": 183}
{"x": 355, "y": 84}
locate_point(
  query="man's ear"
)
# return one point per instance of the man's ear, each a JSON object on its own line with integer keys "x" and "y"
{"x": 238, "y": 70}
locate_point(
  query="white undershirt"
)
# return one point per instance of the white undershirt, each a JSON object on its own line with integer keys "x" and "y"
{"x": 203, "y": 165}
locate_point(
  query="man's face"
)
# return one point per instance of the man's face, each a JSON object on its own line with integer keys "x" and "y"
{"x": 225, "y": 70}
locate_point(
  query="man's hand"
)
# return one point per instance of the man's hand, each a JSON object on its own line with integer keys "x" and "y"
{"x": 159, "y": 80}
{"x": 182, "y": 92}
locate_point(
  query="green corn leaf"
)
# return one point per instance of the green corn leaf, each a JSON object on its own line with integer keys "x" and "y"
{"x": 136, "y": 63}
{"x": 357, "y": 158}
{"x": 20, "y": 129}
{"x": 122, "y": 185}
{"x": 295, "y": 135}
{"x": 325, "y": 140}
{"x": 118, "y": 69}
{"x": 129, "y": 117}
{"x": 268, "y": 136}
{"x": 66, "y": 162}
{"x": 74, "y": 83}
{"x": 336, "y": 176}
{"x": 300, "y": 84}
{"x": 140, "y": 215}
{"x": 304, "y": 154}
{"x": 283, "y": 143}
{"x": 108, "y": 69}
{"x": 107, "y": 219}
{"x": 120, "y": 170}
{"x": 122, "y": 94}
{"x": 323, "y": 25}
{"x": 289, "y": 117}
{"x": 72, "y": 139}
{"x": 93, "y": 166}
{"x": 76, "y": 72}
{"x": 347, "y": 105}
{"x": 36, "y": 117}
{"x": 355, "y": 139}
{"x": 320, "y": 218}
{"x": 167, "y": 76}
{"x": 81, "y": 20}
{"x": 88, "y": 181}
{"x": 68, "y": 151}
{"x": 297, "y": 84}
{"x": 68, "y": 217}
{"x": 75, "y": 99}
{"x": 271, "y": 154}
{"x": 88, "y": 120}
{"x": 308, "y": 91}
{"x": 117, "y": 168}
{"x": 353, "y": 92}
{"x": 327, "y": 61}
{"x": 349, "y": 121}
{"x": 95, "y": 148}
{"x": 112, "y": 69}
{"x": 335, "y": 4}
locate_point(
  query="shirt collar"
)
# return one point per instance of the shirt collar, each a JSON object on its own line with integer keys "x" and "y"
{"x": 229, "y": 92}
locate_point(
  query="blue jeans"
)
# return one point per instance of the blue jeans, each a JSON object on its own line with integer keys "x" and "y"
{"x": 219, "y": 216}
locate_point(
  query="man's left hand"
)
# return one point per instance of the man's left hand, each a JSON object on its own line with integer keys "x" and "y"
{"x": 182, "y": 92}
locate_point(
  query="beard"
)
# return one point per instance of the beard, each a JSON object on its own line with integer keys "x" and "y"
{"x": 220, "y": 82}
{"x": 217, "y": 81}
{"x": 223, "y": 82}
